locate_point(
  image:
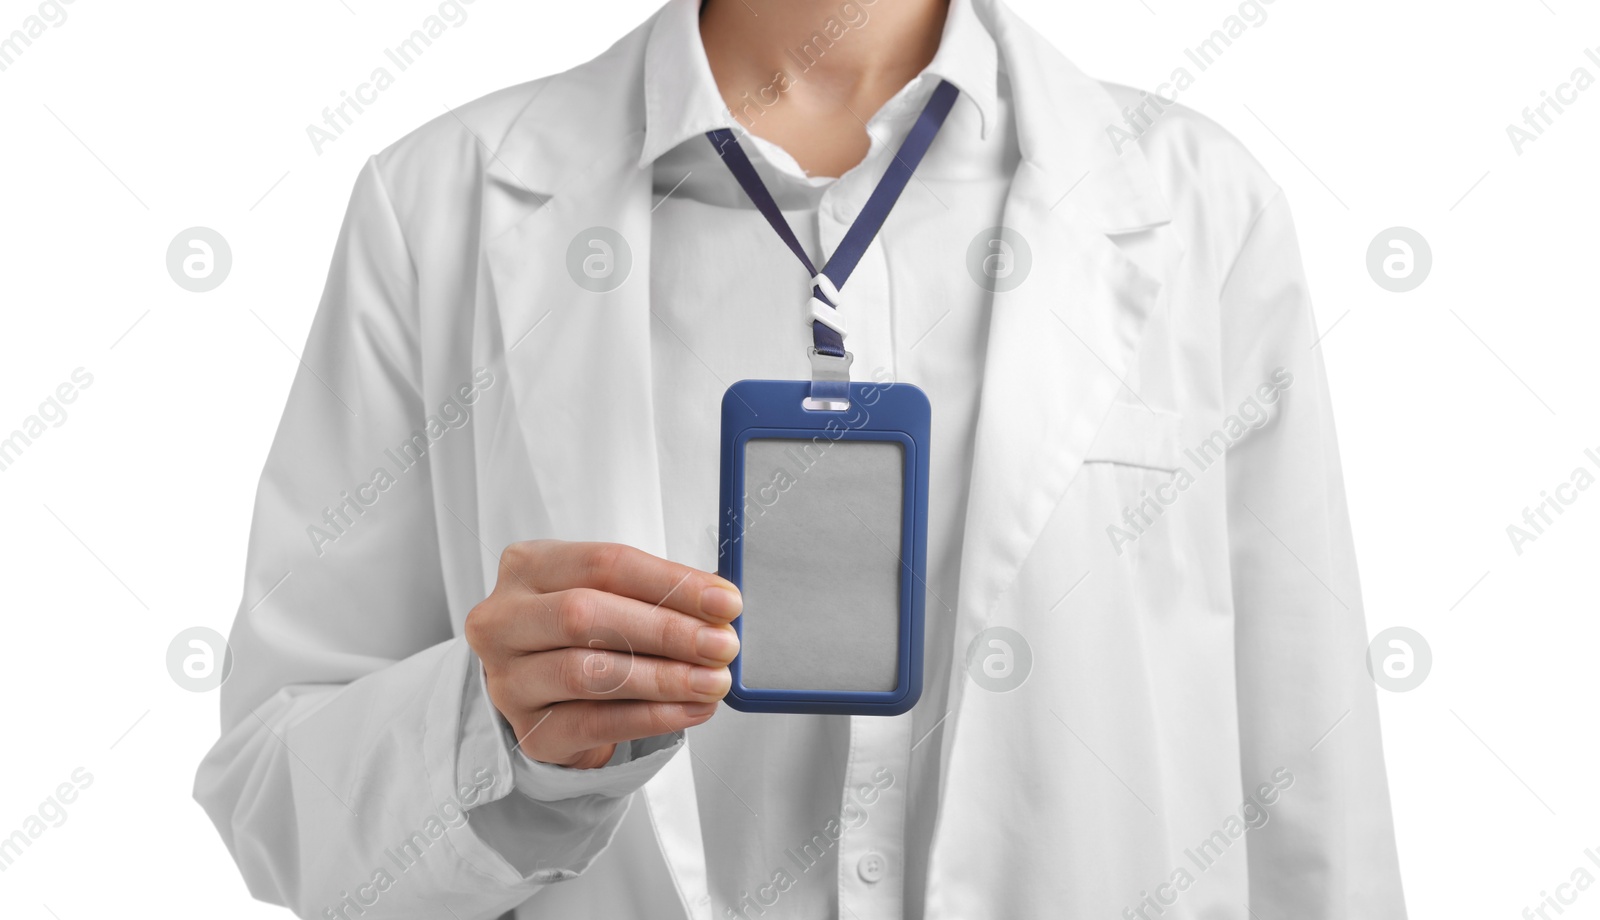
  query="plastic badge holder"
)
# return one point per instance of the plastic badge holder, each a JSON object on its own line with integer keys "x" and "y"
{"x": 824, "y": 530}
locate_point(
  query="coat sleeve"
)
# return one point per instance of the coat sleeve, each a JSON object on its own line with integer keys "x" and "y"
{"x": 361, "y": 770}
{"x": 1306, "y": 703}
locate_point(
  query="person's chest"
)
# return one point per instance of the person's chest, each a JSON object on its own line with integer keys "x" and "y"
{"x": 728, "y": 301}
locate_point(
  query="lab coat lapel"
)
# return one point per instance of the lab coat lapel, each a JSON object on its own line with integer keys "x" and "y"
{"x": 578, "y": 360}
{"x": 1060, "y": 346}
{"x": 1060, "y": 343}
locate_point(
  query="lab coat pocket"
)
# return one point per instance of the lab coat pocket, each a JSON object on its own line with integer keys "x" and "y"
{"x": 1136, "y": 435}
{"x": 1131, "y": 474}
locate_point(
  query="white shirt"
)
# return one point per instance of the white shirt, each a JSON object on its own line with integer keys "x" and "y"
{"x": 729, "y": 301}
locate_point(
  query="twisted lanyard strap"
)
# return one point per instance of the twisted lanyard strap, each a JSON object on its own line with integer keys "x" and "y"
{"x": 827, "y": 330}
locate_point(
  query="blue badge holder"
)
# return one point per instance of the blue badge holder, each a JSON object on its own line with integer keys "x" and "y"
{"x": 877, "y": 414}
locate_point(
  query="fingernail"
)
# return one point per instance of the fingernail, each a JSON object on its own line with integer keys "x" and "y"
{"x": 721, "y": 602}
{"x": 698, "y": 710}
{"x": 716, "y": 643}
{"x": 710, "y": 681}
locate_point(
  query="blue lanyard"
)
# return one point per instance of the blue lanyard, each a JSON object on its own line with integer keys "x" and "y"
{"x": 826, "y": 331}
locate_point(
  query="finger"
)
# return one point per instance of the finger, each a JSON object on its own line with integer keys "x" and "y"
{"x": 566, "y": 732}
{"x": 618, "y": 569}
{"x": 589, "y": 618}
{"x": 542, "y": 678}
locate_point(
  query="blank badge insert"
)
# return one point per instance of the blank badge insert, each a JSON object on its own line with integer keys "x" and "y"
{"x": 822, "y": 572}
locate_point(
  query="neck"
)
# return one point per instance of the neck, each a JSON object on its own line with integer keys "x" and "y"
{"x": 823, "y": 53}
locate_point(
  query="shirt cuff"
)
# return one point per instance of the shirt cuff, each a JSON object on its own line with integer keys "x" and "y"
{"x": 548, "y": 823}
{"x": 632, "y": 764}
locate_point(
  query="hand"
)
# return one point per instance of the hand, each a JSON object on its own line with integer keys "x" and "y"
{"x": 586, "y": 645}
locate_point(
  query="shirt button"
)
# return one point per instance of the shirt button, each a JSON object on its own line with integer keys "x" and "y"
{"x": 872, "y": 867}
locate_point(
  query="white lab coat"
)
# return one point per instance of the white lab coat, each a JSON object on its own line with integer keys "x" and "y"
{"x": 1182, "y": 657}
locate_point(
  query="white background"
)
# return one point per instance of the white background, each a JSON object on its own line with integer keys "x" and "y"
{"x": 1458, "y": 403}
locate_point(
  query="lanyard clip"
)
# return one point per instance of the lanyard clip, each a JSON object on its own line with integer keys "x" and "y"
{"x": 824, "y": 306}
{"x": 830, "y": 373}
{"x": 830, "y": 381}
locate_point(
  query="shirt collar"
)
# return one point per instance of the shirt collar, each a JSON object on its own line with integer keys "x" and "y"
{"x": 969, "y": 58}
{"x": 682, "y": 99}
